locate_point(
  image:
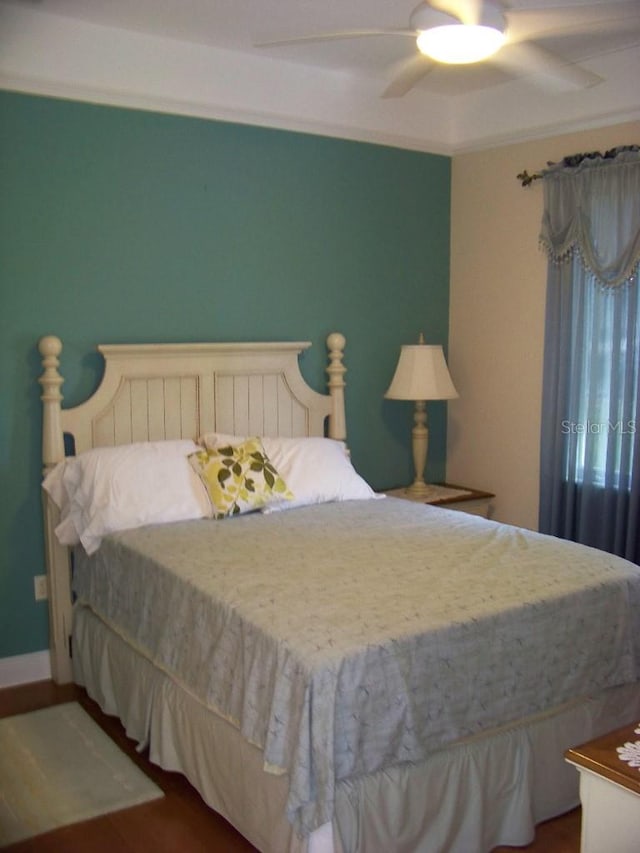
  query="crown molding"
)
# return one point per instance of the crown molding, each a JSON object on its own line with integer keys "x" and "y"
{"x": 55, "y": 56}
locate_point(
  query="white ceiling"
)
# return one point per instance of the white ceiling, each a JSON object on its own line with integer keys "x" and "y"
{"x": 199, "y": 57}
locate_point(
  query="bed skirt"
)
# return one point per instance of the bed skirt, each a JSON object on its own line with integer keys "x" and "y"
{"x": 483, "y": 792}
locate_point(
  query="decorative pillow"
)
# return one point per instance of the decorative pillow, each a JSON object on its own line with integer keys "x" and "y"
{"x": 239, "y": 478}
{"x": 317, "y": 470}
{"x": 116, "y": 488}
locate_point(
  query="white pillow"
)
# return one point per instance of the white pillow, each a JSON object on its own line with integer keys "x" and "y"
{"x": 117, "y": 488}
{"x": 316, "y": 470}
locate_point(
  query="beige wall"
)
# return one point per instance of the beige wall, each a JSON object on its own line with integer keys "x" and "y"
{"x": 498, "y": 280}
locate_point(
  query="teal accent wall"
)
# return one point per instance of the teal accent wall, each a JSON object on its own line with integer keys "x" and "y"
{"x": 130, "y": 226}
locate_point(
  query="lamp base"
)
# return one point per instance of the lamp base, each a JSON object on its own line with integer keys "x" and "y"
{"x": 421, "y": 491}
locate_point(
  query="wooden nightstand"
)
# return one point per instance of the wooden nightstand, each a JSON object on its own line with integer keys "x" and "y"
{"x": 449, "y": 496}
{"x": 609, "y": 792}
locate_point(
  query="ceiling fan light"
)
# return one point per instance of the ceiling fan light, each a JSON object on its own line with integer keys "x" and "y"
{"x": 460, "y": 44}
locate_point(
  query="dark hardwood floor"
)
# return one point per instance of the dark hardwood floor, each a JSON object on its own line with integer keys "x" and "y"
{"x": 181, "y": 822}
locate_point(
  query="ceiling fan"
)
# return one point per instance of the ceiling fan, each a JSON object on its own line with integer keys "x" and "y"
{"x": 461, "y": 32}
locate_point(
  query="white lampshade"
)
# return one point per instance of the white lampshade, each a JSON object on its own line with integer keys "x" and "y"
{"x": 421, "y": 374}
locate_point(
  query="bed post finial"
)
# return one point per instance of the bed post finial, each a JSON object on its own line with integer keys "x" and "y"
{"x": 50, "y": 348}
{"x": 336, "y": 370}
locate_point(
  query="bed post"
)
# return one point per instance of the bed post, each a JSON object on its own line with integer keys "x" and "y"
{"x": 336, "y": 370}
{"x": 57, "y": 556}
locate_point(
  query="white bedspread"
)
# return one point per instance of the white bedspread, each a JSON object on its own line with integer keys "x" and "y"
{"x": 348, "y": 637}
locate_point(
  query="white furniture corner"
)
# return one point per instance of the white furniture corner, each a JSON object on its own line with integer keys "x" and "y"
{"x": 609, "y": 793}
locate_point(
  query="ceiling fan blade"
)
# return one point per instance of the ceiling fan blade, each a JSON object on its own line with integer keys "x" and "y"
{"x": 347, "y": 34}
{"x": 407, "y": 74}
{"x": 466, "y": 11}
{"x": 525, "y": 24}
{"x": 528, "y": 58}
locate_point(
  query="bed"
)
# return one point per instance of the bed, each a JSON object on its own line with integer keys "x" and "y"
{"x": 334, "y": 671}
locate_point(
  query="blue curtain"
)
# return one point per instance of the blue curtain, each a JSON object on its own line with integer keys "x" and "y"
{"x": 590, "y": 441}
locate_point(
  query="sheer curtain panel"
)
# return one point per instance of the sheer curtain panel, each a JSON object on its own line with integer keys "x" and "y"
{"x": 590, "y": 442}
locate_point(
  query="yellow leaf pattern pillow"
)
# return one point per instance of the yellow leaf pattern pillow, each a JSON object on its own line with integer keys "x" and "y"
{"x": 239, "y": 479}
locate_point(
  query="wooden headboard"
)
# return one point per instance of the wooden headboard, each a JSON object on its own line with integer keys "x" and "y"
{"x": 151, "y": 392}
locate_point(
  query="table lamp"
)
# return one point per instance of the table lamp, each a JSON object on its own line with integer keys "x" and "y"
{"x": 421, "y": 375}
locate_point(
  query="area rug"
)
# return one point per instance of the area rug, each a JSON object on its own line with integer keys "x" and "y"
{"x": 58, "y": 767}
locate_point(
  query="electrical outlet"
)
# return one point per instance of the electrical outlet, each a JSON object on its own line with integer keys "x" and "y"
{"x": 41, "y": 587}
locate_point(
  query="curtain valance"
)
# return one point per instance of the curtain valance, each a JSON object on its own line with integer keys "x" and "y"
{"x": 593, "y": 209}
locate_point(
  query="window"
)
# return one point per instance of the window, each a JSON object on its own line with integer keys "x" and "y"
{"x": 601, "y": 422}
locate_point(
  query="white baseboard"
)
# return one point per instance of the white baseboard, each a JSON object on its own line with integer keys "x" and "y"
{"x": 21, "y": 669}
